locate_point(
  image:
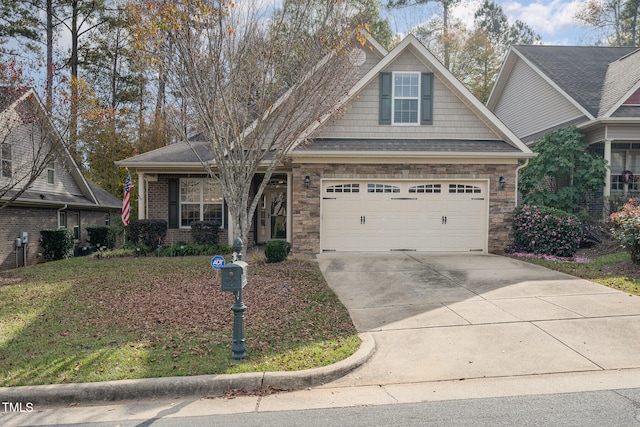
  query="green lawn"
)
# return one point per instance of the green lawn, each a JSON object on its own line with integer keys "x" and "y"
{"x": 83, "y": 320}
{"x": 602, "y": 269}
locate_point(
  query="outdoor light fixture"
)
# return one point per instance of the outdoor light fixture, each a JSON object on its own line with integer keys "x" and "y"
{"x": 307, "y": 181}
{"x": 502, "y": 182}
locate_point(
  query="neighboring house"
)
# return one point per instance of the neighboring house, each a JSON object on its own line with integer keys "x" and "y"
{"x": 597, "y": 89}
{"x": 415, "y": 163}
{"x": 58, "y": 196}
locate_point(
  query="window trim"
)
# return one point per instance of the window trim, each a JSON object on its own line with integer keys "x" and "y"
{"x": 395, "y": 98}
{"x": 201, "y": 204}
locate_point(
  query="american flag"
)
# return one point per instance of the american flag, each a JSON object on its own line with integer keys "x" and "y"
{"x": 126, "y": 211}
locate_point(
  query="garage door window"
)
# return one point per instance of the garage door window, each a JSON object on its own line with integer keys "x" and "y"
{"x": 461, "y": 188}
{"x": 426, "y": 188}
{"x": 382, "y": 188}
{"x": 344, "y": 188}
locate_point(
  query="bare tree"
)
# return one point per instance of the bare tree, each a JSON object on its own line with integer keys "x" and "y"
{"x": 255, "y": 79}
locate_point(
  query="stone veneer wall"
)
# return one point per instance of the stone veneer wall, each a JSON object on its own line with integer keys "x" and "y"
{"x": 306, "y": 201}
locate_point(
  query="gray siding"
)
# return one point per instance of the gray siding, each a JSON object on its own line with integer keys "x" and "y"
{"x": 545, "y": 106}
{"x": 27, "y": 139}
{"x": 451, "y": 117}
{"x": 626, "y": 132}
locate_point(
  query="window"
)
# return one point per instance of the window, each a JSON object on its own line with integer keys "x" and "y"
{"x": 382, "y": 188}
{"x": 75, "y": 220}
{"x": 200, "y": 200}
{"x": 107, "y": 219}
{"x": 406, "y": 98}
{"x": 344, "y": 188}
{"x": 461, "y": 188}
{"x": 51, "y": 172}
{"x": 426, "y": 188}
{"x": 7, "y": 163}
{"x": 62, "y": 219}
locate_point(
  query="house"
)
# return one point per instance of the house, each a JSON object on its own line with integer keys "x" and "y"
{"x": 56, "y": 194}
{"x": 544, "y": 88}
{"x": 415, "y": 163}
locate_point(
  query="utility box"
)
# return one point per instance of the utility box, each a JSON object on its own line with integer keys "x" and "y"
{"x": 234, "y": 276}
{"x": 24, "y": 237}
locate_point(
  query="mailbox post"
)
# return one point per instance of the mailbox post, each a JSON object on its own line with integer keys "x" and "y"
{"x": 234, "y": 278}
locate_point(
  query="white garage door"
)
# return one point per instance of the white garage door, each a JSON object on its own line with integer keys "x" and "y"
{"x": 404, "y": 215}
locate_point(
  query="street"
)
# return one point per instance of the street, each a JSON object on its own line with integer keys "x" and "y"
{"x": 597, "y": 408}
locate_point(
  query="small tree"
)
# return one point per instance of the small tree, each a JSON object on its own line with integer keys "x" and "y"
{"x": 563, "y": 171}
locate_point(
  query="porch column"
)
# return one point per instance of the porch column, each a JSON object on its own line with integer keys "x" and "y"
{"x": 289, "y": 206}
{"x": 142, "y": 197}
{"x": 607, "y": 179}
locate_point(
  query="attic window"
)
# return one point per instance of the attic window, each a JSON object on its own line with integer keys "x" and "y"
{"x": 7, "y": 162}
{"x": 406, "y": 98}
{"x": 51, "y": 173}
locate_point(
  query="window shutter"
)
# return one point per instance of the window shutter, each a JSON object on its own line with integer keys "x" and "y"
{"x": 174, "y": 190}
{"x": 385, "y": 99}
{"x": 426, "y": 99}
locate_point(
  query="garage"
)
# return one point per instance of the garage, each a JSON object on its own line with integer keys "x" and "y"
{"x": 399, "y": 215}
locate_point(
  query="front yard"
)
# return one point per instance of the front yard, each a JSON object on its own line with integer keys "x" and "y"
{"x": 84, "y": 319}
{"x": 605, "y": 263}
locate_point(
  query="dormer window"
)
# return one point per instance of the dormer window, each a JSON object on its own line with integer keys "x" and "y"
{"x": 406, "y": 98}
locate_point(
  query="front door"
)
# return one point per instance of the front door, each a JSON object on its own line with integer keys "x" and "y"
{"x": 272, "y": 217}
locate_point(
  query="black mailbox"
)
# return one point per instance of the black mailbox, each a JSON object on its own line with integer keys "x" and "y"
{"x": 234, "y": 276}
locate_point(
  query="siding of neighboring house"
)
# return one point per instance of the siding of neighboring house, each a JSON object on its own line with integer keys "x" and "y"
{"x": 545, "y": 106}
{"x": 451, "y": 117}
{"x": 624, "y": 132}
{"x": 306, "y": 201}
{"x": 13, "y": 220}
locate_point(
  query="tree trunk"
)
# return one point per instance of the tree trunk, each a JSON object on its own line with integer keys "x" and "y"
{"x": 73, "y": 107}
{"x": 49, "y": 81}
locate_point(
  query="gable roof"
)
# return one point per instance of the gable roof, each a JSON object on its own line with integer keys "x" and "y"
{"x": 453, "y": 84}
{"x": 622, "y": 81}
{"x": 92, "y": 195}
{"x": 186, "y": 156}
{"x": 579, "y": 73}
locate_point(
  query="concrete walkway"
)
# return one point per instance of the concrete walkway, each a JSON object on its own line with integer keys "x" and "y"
{"x": 435, "y": 327}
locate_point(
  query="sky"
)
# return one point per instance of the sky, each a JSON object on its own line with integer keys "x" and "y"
{"x": 554, "y": 20}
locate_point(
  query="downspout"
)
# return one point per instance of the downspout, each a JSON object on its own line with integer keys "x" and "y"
{"x": 524, "y": 165}
{"x": 60, "y": 210}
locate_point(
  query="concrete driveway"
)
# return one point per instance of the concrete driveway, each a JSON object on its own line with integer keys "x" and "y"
{"x": 453, "y": 317}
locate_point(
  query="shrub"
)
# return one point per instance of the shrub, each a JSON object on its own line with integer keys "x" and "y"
{"x": 57, "y": 243}
{"x": 544, "y": 230}
{"x": 205, "y": 232}
{"x": 277, "y": 250}
{"x": 626, "y": 228}
{"x": 102, "y": 235}
{"x": 148, "y": 232}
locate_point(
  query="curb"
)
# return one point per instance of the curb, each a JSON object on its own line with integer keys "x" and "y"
{"x": 211, "y": 385}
